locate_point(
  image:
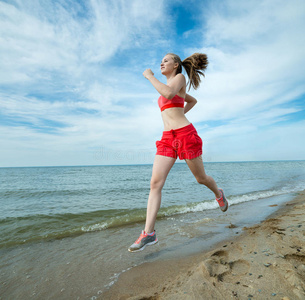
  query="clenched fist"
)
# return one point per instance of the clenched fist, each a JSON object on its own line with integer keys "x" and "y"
{"x": 147, "y": 73}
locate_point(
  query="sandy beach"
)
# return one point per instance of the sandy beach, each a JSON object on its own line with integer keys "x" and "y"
{"x": 267, "y": 261}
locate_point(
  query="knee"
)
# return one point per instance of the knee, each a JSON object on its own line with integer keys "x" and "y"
{"x": 156, "y": 184}
{"x": 202, "y": 180}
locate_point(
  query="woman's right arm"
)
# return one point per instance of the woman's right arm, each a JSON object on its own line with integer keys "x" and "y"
{"x": 167, "y": 91}
{"x": 190, "y": 103}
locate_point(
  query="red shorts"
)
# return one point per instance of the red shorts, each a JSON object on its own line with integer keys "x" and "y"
{"x": 183, "y": 142}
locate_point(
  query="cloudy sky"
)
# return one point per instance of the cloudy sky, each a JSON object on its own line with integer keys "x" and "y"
{"x": 72, "y": 90}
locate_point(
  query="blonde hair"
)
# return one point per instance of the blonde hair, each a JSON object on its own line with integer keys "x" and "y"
{"x": 194, "y": 65}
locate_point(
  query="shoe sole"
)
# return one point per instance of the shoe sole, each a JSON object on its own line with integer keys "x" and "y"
{"x": 148, "y": 244}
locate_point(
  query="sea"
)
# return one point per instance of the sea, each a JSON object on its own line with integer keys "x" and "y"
{"x": 71, "y": 226}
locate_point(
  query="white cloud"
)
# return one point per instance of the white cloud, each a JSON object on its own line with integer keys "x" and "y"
{"x": 71, "y": 78}
{"x": 247, "y": 70}
{"x": 235, "y": 142}
{"x": 62, "y": 56}
{"x": 48, "y": 42}
{"x": 256, "y": 53}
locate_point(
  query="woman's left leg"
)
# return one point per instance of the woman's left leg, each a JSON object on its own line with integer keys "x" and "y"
{"x": 197, "y": 168}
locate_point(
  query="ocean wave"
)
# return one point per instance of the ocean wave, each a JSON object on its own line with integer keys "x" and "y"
{"x": 139, "y": 215}
{"x": 32, "y": 228}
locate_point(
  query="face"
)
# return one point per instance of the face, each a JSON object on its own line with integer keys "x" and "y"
{"x": 168, "y": 65}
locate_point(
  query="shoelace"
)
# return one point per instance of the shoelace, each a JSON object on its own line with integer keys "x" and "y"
{"x": 221, "y": 201}
{"x": 140, "y": 238}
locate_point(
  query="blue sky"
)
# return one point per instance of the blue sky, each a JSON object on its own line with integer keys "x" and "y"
{"x": 72, "y": 90}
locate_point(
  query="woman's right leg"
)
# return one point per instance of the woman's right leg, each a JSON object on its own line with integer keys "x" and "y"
{"x": 162, "y": 166}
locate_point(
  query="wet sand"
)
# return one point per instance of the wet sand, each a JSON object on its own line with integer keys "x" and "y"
{"x": 200, "y": 255}
{"x": 267, "y": 261}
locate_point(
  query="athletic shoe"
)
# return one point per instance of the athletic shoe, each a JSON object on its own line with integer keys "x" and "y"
{"x": 143, "y": 240}
{"x": 222, "y": 201}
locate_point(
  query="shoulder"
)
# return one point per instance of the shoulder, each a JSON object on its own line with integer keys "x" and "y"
{"x": 180, "y": 77}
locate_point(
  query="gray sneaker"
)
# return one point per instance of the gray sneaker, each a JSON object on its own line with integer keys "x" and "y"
{"x": 143, "y": 241}
{"x": 223, "y": 203}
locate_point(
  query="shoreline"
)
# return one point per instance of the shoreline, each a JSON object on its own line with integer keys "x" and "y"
{"x": 266, "y": 261}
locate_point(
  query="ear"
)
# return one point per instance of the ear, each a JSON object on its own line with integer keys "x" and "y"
{"x": 176, "y": 65}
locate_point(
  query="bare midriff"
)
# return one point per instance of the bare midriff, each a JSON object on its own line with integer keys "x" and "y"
{"x": 174, "y": 118}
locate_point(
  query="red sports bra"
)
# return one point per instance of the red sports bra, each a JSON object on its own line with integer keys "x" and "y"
{"x": 165, "y": 103}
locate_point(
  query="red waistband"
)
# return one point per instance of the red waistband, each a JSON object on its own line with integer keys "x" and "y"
{"x": 185, "y": 129}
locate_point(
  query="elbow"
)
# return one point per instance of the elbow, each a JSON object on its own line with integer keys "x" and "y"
{"x": 193, "y": 103}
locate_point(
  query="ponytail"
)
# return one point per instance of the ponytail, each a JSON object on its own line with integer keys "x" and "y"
{"x": 194, "y": 65}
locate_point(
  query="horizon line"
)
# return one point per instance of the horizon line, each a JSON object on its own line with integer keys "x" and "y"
{"x": 146, "y": 164}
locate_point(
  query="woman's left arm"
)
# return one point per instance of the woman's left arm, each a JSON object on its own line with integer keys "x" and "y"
{"x": 167, "y": 91}
{"x": 190, "y": 103}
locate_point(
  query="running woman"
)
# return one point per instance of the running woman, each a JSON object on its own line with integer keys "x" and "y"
{"x": 179, "y": 139}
